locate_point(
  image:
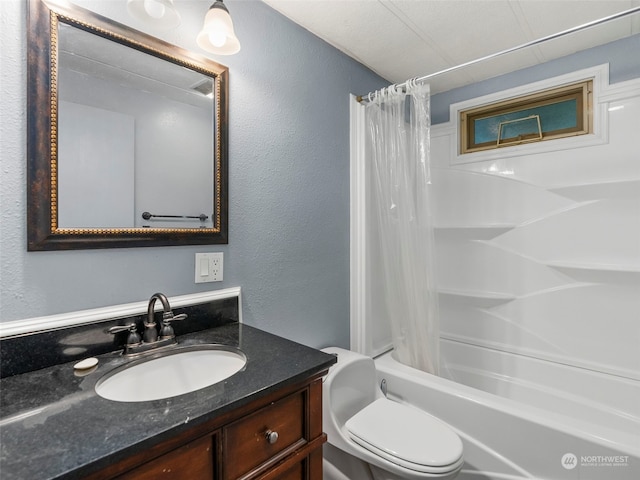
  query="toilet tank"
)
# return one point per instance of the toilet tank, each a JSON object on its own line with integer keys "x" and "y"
{"x": 349, "y": 386}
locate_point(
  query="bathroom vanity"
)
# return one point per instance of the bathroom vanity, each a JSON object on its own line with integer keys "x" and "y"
{"x": 264, "y": 422}
{"x": 278, "y": 436}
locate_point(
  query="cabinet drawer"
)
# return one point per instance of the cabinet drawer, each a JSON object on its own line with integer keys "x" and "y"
{"x": 246, "y": 445}
{"x": 297, "y": 471}
{"x": 294, "y": 473}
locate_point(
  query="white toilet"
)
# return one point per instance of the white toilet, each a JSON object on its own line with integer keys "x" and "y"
{"x": 372, "y": 437}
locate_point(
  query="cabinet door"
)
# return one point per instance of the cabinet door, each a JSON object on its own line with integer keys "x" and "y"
{"x": 193, "y": 461}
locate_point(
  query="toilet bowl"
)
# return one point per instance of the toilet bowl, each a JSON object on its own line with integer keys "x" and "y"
{"x": 392, "y": 440}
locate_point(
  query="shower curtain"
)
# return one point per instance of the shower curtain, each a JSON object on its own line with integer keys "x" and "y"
{"x": 400, "y": 220}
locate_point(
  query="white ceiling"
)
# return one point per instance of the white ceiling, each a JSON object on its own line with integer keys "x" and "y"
{"x": 402, "y": 39}
{"x": 95, "y": 56}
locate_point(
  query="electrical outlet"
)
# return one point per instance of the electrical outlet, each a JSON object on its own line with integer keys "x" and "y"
{"x": 215, "y": 263}
{"x": 209, "y": 267}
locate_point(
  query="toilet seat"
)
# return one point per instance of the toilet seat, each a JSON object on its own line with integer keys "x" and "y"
{"x": 406, "y": 436}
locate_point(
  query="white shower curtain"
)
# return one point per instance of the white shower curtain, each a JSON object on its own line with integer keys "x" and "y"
{"x": 397, "y": 154}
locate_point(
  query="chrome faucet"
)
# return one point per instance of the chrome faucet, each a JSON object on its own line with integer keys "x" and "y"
{"x": 150, "y": 338}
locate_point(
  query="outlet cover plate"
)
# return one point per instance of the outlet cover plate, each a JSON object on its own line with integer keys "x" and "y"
{"x": 209, "y": 267}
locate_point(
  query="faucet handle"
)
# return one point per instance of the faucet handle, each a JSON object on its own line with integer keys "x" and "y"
{"x": 167, "y": 330}
{"x": 133, "y": 338}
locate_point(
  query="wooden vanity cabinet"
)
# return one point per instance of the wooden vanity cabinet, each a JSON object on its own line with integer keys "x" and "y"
{"x": 276, "y": 437}
{"x": 193, "y": 461}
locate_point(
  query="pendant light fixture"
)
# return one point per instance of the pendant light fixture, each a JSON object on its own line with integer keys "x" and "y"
{"x": 217, "y": 35}
{"x": 155, "y": 13}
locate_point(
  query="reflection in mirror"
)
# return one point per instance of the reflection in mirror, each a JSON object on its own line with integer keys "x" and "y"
{"x": 137, "y": 152}
{"x": 122, "y": 152}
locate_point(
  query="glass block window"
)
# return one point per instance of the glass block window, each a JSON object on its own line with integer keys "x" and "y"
{"x": 546, "y": 115}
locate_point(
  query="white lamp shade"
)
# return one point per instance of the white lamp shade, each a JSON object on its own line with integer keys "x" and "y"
{"x": 217, "y": 35}
{"x": 155, "y": 13}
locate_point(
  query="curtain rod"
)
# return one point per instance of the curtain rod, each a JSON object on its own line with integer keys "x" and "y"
{"x": 624, "y": 13}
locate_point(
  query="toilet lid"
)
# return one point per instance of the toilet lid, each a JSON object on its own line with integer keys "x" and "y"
{"x": 406, "y": 436}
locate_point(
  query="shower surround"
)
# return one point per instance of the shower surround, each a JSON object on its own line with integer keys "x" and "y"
{"x": 539, "y": 245}
{"x": 538, "y": 271}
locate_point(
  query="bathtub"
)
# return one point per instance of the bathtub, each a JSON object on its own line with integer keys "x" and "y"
{"x": 521, "y": 417}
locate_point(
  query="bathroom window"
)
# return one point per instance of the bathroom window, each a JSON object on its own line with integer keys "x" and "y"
{"x": 546, "y": 115}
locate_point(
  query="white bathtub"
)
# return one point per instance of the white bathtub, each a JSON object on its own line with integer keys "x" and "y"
{"x": 521, "y": 417}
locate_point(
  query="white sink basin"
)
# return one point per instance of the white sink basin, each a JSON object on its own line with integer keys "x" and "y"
{"x": 173, "y": 373}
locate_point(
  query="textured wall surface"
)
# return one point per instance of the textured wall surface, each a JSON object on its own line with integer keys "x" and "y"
{"x": 288, "y": 183}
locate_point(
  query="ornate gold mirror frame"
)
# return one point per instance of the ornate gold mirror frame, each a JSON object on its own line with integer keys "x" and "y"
{"x": 43, "y": 230}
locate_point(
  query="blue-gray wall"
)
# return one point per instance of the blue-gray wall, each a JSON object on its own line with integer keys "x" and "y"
{"x": 288, "y": 182}
{"x": 289, "y": 178}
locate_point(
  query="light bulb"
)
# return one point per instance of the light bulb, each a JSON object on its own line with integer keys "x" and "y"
{"x": 217, "y": 35}
{"x": 154, "y": 8}
{"x": 217, "y": 38}
{"x": 154, "y": 13}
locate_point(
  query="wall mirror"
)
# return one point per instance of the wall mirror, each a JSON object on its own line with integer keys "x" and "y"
{"x": 127, "y": 136}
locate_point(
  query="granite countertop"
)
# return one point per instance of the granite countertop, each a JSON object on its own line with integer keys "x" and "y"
{"x": 54, "y": 426}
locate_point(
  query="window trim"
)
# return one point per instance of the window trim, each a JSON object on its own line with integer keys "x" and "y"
{"x": 581, "y": 91}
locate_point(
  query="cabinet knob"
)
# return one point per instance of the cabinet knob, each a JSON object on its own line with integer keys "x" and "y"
{"x": 272, "y": 437}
